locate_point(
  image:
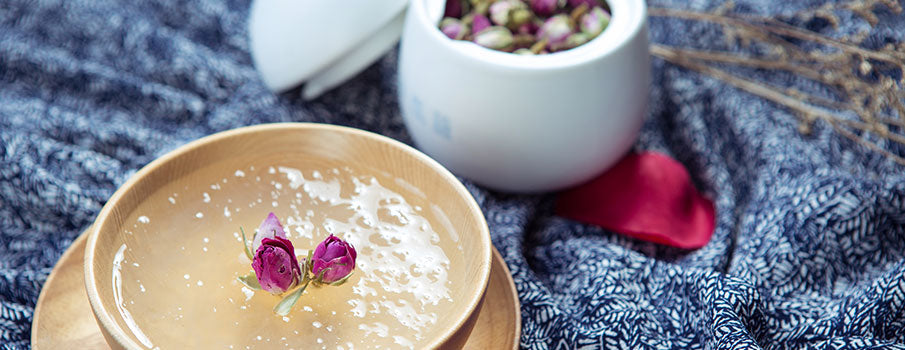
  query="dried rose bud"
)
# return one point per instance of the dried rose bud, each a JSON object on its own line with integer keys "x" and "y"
{"x": 453, "y": 28}
{"x": 590, "y": 3}
{"x": 594, "y": 22}
{"x": 479, "y": 23}
{"x": 528, "y": 28}
{"x": 575, "y": 40}
{"x": 276, "y": 266}
{"x": 501, "y": 11}
{"x": 455, "y": 8}
{"x": 519, "y": 17}
{"x": 480, "y": 6}
{"x": 277, "y": 270}
{"x": 555, "y": 30}
{"x": 546, "y": 7}
{"x": 333, "y": 261}
{"x": 496, "y": 37}
{"x": 270, "y": 228}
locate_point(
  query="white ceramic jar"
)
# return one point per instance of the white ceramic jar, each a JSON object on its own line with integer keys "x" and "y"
{"x": 524, "y": 123}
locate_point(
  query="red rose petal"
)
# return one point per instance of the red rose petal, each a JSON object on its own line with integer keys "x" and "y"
{"x": 648, "y": 196}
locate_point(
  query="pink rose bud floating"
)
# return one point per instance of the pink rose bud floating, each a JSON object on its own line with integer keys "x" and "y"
{"x": 275, "y": 265}
{"x": 525, "y": 27}
{"x": 333, "y": 261}
{"x": 276, "y": 269}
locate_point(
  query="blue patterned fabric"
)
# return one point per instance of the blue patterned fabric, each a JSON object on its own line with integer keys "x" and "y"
{"x": 808, "y": 252}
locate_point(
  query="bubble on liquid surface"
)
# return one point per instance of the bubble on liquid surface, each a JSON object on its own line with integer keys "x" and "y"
{"x": 393, "y": 262}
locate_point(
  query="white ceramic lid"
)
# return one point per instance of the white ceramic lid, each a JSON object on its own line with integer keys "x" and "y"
{"x": 320, "y": 42}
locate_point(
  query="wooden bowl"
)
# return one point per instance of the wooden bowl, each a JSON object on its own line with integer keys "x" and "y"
{"x": 162, "y": 258}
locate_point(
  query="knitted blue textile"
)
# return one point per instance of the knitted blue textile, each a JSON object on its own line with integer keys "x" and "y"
{"x": 809, "y": 247}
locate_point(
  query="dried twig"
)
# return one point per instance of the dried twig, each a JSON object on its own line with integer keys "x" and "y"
{"x": 859, "y": 77}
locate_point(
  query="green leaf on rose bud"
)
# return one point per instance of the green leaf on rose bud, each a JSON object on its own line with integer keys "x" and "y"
{"x": 320, "y": 276}
{"x": 308, "y": 264}
{"x": 343, "y": 280}
{"x": 245, "y": 244}
{"x": 284, "y": 306}
{"x": 250, "y": 281}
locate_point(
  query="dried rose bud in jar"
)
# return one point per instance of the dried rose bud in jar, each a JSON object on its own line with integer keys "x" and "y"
{"x": 526, "y": 27}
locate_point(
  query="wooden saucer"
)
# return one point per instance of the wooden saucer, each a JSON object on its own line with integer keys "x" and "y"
{"x": 63, "y": 318}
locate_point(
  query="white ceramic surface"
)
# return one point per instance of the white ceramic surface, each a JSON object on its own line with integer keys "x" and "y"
{"x": 322, "y": 43}
{"x": 525, "y": 123}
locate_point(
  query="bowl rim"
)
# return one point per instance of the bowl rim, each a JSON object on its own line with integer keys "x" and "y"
{"x": 629, "y": 19}
{"x": 113, "y": 329}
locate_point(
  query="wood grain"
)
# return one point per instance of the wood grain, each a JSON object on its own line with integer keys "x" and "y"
{"x": 63, "y": 317}
{"x": 304, "y": 146}
{"x": 500, "y": 321}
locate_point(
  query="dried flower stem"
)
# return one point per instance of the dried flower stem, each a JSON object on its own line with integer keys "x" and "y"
{"x": 776, "y": 27}
{"x": 859, "y": 78}
{"x": 675, "y": 56}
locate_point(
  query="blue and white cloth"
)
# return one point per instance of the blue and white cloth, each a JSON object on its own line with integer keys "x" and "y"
{"x": 808, "y": 252}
